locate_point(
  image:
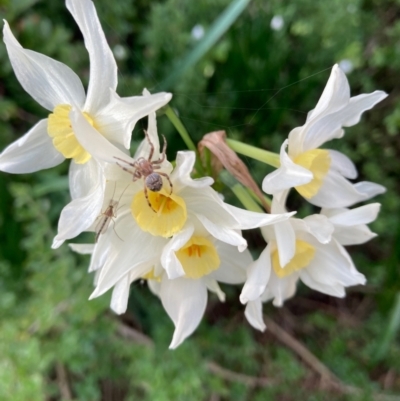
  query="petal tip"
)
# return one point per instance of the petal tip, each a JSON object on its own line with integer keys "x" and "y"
{"x": 243, "y": 299}
{"x": 57, "y": 242}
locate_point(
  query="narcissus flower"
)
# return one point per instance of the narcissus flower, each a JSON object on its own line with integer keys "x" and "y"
{"x": 58, "y": 89}
{"x": 304, "y": 249}
{"x": 320, "y": 175}
{"x": 205, "y": 262}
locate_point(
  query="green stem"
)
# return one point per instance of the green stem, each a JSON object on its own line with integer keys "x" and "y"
{"x": 267, "y": 200}
{"x": 177, "y": 123}
{"x": 246, "y": 199}
{"x": 255, "y": 153}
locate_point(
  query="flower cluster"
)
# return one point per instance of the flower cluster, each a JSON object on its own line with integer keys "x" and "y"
{"x": 154, "y": 222}
{"x": 311, "y": 249}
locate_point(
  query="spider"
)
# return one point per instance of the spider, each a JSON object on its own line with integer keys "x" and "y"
{"x": 145, "y": 168}
{"x": 108, "y": 215}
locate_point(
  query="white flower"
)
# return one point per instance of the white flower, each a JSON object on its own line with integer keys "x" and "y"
{"x": 58, "y": 89}
{"x": 304, "y": 249}
{"x": 185, "y": 298}
{"x": 205, "y": 262}
{"x": 320, "y": 175}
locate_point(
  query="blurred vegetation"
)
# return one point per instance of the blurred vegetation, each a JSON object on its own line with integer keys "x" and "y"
{"x": 257, "y": 83}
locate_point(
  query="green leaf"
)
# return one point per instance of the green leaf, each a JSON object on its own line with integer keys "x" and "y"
{"x": 218, "y": 28}
{"x": 390, "y": 332}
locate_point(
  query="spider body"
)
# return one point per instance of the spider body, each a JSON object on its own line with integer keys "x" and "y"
{"x": 105, "y": 217}
{"x": 145, "y": 168}
{"x": 154, "y": 182}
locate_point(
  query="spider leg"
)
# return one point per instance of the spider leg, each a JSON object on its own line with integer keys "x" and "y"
{"x": 135, "y": 174}
{"x": 115, "y": 231}
{"x": 147, "y": 198}
{"x": 125, "y": 161}
{"x": 151, "y": 146}
{"x": 169, "y": 180}
{"x": 125, "y": 169}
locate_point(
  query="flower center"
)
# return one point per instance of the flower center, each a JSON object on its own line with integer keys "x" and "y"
{"x": 303, "y": 256}
{"x": 64, "y": 140}
{"x": 318, "y": 162}
{"x": 167, "y": 218}
{"x": 198, "y": 257}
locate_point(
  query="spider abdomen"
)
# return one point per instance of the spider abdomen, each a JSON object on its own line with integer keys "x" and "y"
{"x": 154, "y": 182}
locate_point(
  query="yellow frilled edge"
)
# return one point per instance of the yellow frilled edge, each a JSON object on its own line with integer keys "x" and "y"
{"x": 318, "y": 161}
{"x": 303, "y": 256}
{"x": 64, "y": 140}
{"x": 168, "y": 218}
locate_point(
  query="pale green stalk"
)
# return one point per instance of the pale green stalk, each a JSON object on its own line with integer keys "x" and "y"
{"x": 255, "y": 153}
{"x": 177, "y": 123}
{"x": 246, "y": 199}
{"x": 267, "y": 200}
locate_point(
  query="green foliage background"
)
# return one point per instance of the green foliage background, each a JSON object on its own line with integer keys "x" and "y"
{"x": 257, "y": 84}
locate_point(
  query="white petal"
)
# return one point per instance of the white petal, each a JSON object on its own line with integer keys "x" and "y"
{"x": 329, "y": 126}
{"x": 354, "y": 235}
{"x": 82, "y": 177}
{"x": 258, "y": 274}
{"x": 212, "y": 285}
{"x": 80, "y": 213}
{"x": 320, "y": 227}
{"x": 278, "y": 204}
{"x": 169, "y": 260}
{"x": 103, "y": 69}
{"x": 232, "y": 269}
{"x": 185, "y": 301}
{"x": 336, "y": 192}
{"x": 93, "y": 142}
{"x": 369, "y": 189}
{"x": 105, "y": 281}
{"x": 295, "y": 141}
{"x": 360, "y": 215}
{"x": 155, "y": 287}
{"x": 280, "y": 289}
{"x": 144, "y": 148}
{"x": 206, "y": 202}
{"x": 334, "y": 289}
{"x": 285, "y": 241}
{"x": 118, "y": 118}
{"x": 98, "y": 259}
{"x": 83, "y": 249}
{"x": 101, "y": 252}
{"x": 288, "y": 175}
{"x": 342, "y": 164}
{"x": 181, "y": 175}
{"x": 359, "y": 104}
{"x": 253, "y": 313}
{"x": 212, "y": 213}
{"x": 224, "y": 234}
{"x": 247, "y": 220}
{"x": 136, "y": 254}
{"x": 331, "y": 270}
{"x": 33, "y": 152}
{"x": 120, "y": 295}
{"x": 48, "y": 81}
{"x": 335, "y": 95}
